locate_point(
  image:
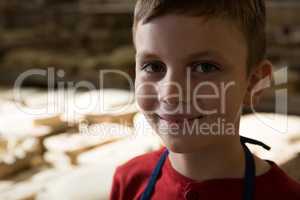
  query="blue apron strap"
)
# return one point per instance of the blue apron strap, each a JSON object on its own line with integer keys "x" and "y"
{"x": 255, "y": 142}
{"x": 249, "y": 177}
{"x": 151, "y": 183}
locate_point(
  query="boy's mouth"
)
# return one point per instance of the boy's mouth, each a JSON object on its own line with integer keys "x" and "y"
{"x": 178, "y": 119}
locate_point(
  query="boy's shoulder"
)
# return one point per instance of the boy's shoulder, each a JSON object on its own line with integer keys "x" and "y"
{"x": 141, "y": 164}
{"x": 131, "y": 177}
{"x": 277, "y": 184}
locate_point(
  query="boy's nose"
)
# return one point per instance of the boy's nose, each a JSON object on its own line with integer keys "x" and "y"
{"x": 173, "y": 89}
{"x": 170, "y": 99}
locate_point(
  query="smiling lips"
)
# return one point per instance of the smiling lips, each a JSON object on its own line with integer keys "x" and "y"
{"x": 178, "y": 118}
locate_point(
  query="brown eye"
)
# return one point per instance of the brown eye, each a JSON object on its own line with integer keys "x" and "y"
{"x": 154, "y": 67}
{"x": 205, "y": 67}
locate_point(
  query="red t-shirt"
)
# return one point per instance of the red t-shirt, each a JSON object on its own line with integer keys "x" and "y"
{"x": 131, "y": 178}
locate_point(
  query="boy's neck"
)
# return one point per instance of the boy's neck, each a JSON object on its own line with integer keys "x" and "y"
{"x": 225, "y": 160}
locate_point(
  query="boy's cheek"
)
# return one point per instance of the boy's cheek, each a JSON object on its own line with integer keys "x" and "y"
{"x": 220, "y": 102}
{"x": 232, "y": 102}
{"x": 146, "y": 105}
{"x": 146, "y": 97}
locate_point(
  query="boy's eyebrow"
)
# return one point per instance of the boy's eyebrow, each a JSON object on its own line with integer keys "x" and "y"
{"x": 146, "y": 54}
{"x": 200, "y": 54}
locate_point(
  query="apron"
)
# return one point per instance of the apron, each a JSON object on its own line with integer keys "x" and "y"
{"x": 249, "y": 177}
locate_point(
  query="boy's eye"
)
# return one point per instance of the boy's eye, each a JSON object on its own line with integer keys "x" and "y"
{"x": 154, "y": 67}
{"x": 205, "y": 67}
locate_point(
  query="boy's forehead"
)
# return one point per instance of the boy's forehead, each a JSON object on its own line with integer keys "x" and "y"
{"x": 188, "y": 36}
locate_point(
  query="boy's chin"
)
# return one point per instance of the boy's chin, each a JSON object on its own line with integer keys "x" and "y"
{"x": 182, "y": 144}
{"x": 179, "y": 148}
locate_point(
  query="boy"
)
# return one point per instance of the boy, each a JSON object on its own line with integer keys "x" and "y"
{"x": 197, "y": 64}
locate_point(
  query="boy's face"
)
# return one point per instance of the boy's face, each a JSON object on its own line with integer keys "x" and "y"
{"x": 190, "y": 79}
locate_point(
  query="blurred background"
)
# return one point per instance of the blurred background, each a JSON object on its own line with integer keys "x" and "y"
{"x": 62, "y": 137}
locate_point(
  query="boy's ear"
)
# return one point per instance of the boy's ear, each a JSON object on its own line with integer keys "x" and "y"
{"x": 259, "y": 79}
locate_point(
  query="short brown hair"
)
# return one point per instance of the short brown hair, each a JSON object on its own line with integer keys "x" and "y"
{"x": 249, "y": 15}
